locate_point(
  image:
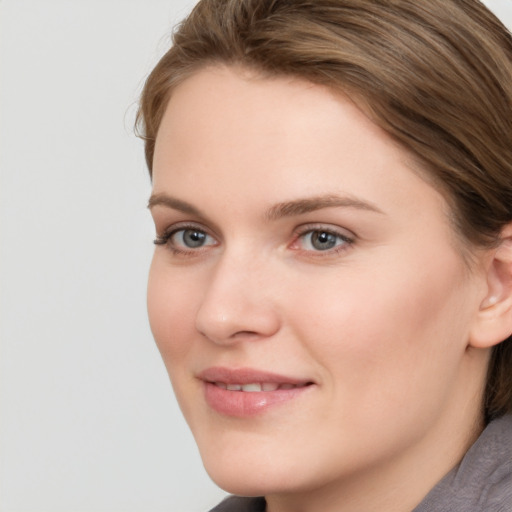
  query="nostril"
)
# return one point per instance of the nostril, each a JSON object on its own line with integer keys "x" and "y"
{"x": 237, "y": 336}
{"x": 245, "y": 334}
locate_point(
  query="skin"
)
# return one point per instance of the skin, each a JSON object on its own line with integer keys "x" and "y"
{"x": 381, "y": 323}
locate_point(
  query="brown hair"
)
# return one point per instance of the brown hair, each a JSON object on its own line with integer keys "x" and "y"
{"x": 434, "y": 74}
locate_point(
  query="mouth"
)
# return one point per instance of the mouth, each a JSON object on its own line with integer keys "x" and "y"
{"x": 258, "y": 387}
{"x": 246, "y": 392}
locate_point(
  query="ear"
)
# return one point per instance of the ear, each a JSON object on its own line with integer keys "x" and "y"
{"x": 493, "y": 323}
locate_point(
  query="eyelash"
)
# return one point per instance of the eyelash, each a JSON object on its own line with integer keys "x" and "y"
{"x": 166, "y": 239}
{"x": 347, "y": 241}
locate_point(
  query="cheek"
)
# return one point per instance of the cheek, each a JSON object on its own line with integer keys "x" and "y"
{"x": 172, "y": 303}
{"x": 387, "y": 330}
{"x": 170, "y": 311}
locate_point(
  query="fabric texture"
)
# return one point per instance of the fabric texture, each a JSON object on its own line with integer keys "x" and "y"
{"x": 482, "y": 482}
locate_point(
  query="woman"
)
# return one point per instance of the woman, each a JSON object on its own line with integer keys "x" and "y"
{"x": 331, "y": 289}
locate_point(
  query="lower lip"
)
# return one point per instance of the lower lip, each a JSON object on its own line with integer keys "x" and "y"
{"x": 243, "y": 403}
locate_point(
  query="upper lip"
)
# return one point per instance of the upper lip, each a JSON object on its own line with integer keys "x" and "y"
{"x": 247, "y": 376}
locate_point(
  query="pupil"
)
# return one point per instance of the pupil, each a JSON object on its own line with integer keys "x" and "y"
{"x": 193, "y": 238}
{"x": 323, "y": 241}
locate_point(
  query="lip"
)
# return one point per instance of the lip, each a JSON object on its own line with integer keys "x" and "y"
{"x": 239, "y": 403}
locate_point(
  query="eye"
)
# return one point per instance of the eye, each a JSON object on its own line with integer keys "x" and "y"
{"x": 185, "y": 239}
{"x": 322, "y": 240}
{"x": 191, "y": 238}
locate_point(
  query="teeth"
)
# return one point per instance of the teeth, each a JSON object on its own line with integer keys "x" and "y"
{"x": 255, "y": 387}
{"x": 251, "y": 388}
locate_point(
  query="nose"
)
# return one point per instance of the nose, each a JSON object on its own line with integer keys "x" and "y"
{"x": 237, "y": 305}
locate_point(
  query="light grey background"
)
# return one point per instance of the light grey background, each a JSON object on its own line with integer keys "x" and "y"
{"x": 88, "y": 421}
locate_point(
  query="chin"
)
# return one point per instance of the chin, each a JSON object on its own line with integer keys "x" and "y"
{"x": 239, "y": 472}
{"x": 252, "y": 482}
{"x": 241, "y": 485}
{"x": 257, "y": 468}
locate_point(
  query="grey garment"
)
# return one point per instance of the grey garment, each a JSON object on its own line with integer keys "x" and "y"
{"x": 239, "y": 504}
{"x": 482, "y": 482}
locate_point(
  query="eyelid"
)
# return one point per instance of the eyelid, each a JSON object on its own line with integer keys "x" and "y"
{"x": 327, "y": 227}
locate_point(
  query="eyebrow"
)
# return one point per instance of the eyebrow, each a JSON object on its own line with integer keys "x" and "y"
{"x": 277, "y": 211}
{"x": 310, "y": 204}
{"x": 172, "y": 202}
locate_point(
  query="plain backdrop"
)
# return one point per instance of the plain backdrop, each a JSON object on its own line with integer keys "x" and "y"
{"x": 88, "y": 421}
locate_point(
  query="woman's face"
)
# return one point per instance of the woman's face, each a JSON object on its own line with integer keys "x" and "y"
{"x": 302, "y": 259}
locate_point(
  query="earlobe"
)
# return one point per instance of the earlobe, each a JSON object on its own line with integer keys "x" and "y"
{"x": 493, "y": 322}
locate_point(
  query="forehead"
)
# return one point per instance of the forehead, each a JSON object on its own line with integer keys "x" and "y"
{"x": 237, "y": 111}
{"x": 281, "y": 136}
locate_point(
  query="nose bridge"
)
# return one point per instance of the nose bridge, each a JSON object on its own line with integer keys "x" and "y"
{"x": 236, "y": 304}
